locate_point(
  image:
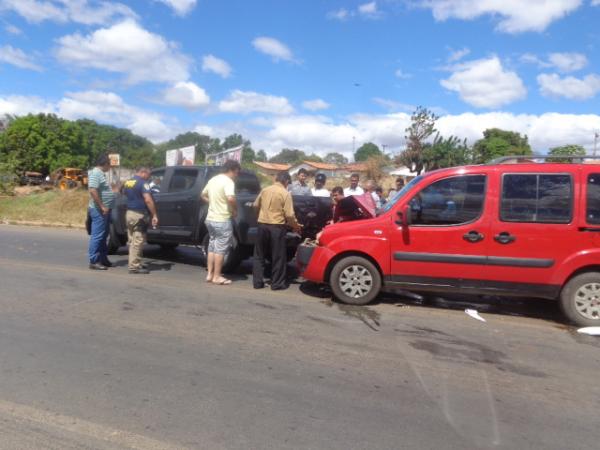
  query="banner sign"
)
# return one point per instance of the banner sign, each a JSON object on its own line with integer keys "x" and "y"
{"x": 184, "y": 156}
{"x": 218, "y": 159}
{"x": 115, "y": 159}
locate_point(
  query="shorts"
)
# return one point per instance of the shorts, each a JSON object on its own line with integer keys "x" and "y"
{"x": 221, "y": 236}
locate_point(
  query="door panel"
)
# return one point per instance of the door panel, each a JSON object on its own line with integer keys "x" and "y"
{"x": 449, "y": 232}
{"x": 534, "y": 226}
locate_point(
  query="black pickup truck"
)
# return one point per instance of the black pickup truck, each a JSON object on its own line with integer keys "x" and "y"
{"x": 181, "y": 212}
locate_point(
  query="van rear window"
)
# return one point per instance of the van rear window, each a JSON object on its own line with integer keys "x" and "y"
{"x": 592, "y": 211}
{"x": 537, "y": 198}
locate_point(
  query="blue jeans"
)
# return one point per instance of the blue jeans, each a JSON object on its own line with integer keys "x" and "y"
{"x": 98, "y": 250}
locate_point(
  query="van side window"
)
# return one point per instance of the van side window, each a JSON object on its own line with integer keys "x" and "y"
{"x": 451, "y": 201}
{"x": 182, "y": 180}
{"x": 538, "y": 198}
{"x": 592, "y": 211}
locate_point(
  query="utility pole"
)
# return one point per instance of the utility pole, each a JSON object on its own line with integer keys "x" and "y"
{"x": 596, "y": 136}
{"x": 353, "y": 144}
{"x": 384, "y": 146}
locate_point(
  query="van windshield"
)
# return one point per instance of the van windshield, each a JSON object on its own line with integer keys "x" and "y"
{"x": 401, "y": 193}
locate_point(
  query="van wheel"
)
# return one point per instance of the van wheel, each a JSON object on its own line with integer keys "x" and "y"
{"x": 580, "y": 299}
{"x": 355, "y": 280}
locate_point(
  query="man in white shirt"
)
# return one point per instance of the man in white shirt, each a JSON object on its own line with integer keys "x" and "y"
{"x": 354, "y": 188}
{"x": 319, "y": 190}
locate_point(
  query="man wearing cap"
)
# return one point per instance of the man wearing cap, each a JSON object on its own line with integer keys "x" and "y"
{"x": 319, "y": 189}
{"x": 275, "y": 214}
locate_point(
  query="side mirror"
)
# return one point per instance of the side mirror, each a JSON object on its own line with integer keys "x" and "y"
{"x": 404, "y": 217}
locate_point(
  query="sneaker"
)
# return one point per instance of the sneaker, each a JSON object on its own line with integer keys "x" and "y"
{"x": 97, "y": 266}
{"x": 139, "y": 271}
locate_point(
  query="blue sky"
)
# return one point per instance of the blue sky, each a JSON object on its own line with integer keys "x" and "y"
{"x": 315, "y": 75}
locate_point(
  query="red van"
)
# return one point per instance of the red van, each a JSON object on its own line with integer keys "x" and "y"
{"x": 514, "y": 227}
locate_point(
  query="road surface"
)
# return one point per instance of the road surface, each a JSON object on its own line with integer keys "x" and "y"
{"x": 108, "y": 360}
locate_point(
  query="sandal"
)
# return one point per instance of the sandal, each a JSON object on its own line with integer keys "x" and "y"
{"x": 222, "y": 282}
{"x": 209, "y": 278}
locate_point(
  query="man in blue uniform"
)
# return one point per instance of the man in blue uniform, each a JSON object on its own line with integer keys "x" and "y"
{"x": 141, "y": 212}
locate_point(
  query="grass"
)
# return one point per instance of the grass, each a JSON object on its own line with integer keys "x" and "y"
{"x": 52, "y": 207}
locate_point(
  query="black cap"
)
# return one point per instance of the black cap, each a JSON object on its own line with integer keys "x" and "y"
{"x": 321, "y": 178}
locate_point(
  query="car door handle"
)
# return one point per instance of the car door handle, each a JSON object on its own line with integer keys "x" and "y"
{"x": 504, "y": 238}
{"x": 473, "y": 236}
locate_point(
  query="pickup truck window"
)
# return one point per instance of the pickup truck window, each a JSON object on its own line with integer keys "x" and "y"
{"x": 540, "y": 198}
{"x": 247, "y": 183}
{"x": 182, "y": 180}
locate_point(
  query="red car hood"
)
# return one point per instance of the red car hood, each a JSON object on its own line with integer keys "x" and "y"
{"x": 357, "y": 207}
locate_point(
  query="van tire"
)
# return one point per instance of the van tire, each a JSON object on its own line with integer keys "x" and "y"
{"x": 578, "y": 300}
{"x": 361, "y": 272}
{"x": 114, "y": 243}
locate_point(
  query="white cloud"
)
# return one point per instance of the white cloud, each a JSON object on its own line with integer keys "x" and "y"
{"x": 216, "y": 65}
{"x": 274, "y": 48}
{"x": 552, "y": 85}
{"x": 516, "y": 16}
{"x": 62, "y": 11}
{"x": 399, "y": 73}
{"x": 108, "y": 107}
{"x": 484, "y": 83}
{"x": 595, "y": 2}
{"x": 315, "y": 105}
{"x": 393, "y": 105}
{"x": 457, "y": 55}
{"x": 181, "y": 7}
{"x": 13, "y": 29}
{"x": 568, "y": 62}
{"x": 126, "y": 48}
{"x": 339, "y": 14}
{"x": 246, "y": 102}
{"x": 368, "y": 9}
{"x": 20, "y": 105}
{"x": 186, "y": 94}
{"x": 18, "y": 58}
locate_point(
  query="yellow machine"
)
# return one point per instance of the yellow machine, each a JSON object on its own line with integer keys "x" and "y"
{"x": 70, "y": 178}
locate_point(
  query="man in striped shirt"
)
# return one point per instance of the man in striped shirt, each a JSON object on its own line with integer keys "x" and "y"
{"x": 102, "y": 199}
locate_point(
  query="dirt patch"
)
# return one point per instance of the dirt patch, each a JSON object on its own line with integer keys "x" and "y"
{"x": 63, "y": 208}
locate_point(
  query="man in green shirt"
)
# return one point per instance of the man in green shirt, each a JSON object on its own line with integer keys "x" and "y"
{"x": 102, "y": 199}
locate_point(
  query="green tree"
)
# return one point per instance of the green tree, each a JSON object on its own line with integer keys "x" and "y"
{"x": 422, "y": 127}
{"x": 567, "y": 150}
{"x": 261, "y": 156}
{"x": 288, "y": 156}
{"x": 335, "y": 158}
{"x": 445, "y": 152}
{"x": 366, "y": 151}
{"x": 497, "y": 143}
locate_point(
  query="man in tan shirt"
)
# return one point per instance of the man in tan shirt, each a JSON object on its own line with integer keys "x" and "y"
{"x": 275, "y": 214}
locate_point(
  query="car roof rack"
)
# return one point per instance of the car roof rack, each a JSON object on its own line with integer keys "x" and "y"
{"x": 518, "y": 158}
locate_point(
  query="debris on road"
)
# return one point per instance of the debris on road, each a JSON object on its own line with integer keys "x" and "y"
{"x": 592, "y": 331}
{"x": 474, "y": 314}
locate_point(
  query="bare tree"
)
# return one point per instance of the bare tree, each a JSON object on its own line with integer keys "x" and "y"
{"x": 421, "y": 128}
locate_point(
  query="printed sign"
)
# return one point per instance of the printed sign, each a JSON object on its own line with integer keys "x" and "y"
{"x": 184, "y": 156}
{"x": 218, "y": 159}
{"x": 115, "y": 159}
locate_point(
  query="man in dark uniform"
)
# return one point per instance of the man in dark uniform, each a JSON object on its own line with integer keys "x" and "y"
{"x": 141, "y": 212}
{"x": 275, "y": 214}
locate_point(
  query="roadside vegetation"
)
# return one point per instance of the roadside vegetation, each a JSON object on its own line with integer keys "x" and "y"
{"x": 53, "y": 207}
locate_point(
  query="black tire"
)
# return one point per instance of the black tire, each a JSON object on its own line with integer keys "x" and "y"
{"x": 114, "y": 243}
{"x": 580, "y": 299}
{"x": 368, "y": 282}
{"x": 168, "y": 247}
{"x": 232, "y": 260}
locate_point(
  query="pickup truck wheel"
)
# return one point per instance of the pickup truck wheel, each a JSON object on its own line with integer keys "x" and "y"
{"x": 232, "y": 259}
{"x": 114, "y": 242}
{"x": 580, "y": 299}
{"x": 355, "y": 280}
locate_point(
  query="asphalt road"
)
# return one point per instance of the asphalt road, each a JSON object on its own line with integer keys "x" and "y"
{"x": 108, "y": 360}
